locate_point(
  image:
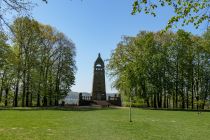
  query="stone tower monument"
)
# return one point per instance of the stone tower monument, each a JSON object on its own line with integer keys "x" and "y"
{"x": 99, "y": 90}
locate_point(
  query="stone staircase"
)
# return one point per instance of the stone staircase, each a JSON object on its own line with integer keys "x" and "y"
{"x": 101, "y": 103}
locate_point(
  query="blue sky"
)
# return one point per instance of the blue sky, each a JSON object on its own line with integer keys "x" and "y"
{"x": 97, "y": 26}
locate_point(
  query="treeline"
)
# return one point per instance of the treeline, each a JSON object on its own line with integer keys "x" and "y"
{"x": 37, "y": 64}
{"x": 169, "y": 70}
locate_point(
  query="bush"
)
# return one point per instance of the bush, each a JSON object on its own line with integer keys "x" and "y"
{"x": 134, "y": 104}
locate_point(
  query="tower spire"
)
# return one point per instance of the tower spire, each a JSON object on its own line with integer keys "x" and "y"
{"x": 99, "y": 89}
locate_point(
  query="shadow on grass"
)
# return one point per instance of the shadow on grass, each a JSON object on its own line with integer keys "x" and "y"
{"x": 56, "y": 108}
{"x": 177, "y": 109}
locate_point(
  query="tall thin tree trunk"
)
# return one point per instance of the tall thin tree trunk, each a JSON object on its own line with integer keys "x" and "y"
{"x": 177, "y": 78}
{"x": 24, "y": 89}
{"x": 39, "y": 90}
{"x": 192, "y": 90}
{"x": 31, "y": 99}
{"x": 183, "y": 95}
{"x": 45, "y": 101}
{"x": 28, "y": 86}
{"x": 152, "y": 101}
{"x": 27, "y": 93}
{"x": 2, "y": 84}
{"x": 160, "y": 100}
{"x": 56, "y": 102}
{"x": 16, "y": 94}
{"x": 38, "y": 100}
{"x": 147, "y": 101}
{"x": 155, "y": 101}
{"x": 6, "y": 96}
{"x": 164, "y": 100}
{"x": 173, "y": 97}
{"x": 167, "y": 103}
{"x": 1, "y": 91}
{"x": 50, "y": 95}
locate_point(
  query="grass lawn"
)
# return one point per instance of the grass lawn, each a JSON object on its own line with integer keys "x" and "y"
{"x": 104, "y": 124}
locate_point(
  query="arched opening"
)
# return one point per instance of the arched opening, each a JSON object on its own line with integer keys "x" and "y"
{"x": 98, "y": 65}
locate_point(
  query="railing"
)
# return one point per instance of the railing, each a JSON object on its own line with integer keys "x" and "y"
{"x": 85, "y": 100}
{"x": 88, "y": 100}
{"x": 115, "y": 98}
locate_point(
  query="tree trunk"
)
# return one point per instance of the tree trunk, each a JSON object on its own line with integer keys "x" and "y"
{"x": 56, "y": 102}
{"x": 187, "y": 98}
{"x": 39, "y": 90}
{"x": 24, "y": 88}
{"x": 148, "y": 105}
{"x": 155, "y": 99}
{"x": 173, "y": 97}
{"x": 160, "y": 99}
{"x": 164, "y": 91}
{"x": 164, "y": 100}
{"x": 16, "y": 94}
{"x": 50, "y": 97}
{"x": 31, "y": 99}
{"x": 152, "y": 101}
{"x": 183, "y": 94}
{"x": 23, "y": 95}
{"x": 6, "y": 96}
{"x": 38, "y": 100}
{"x": 206, "y": 94}
{"x": 2, "y": 84}
{"x": 167, "y": 104}
{"x": 177, "y": 78}
{"x": 1, "y": 91}
{"x": 27, "y": 89}
{"x": 192, "y": 90}
{"x": 45, "y": 101}
{"x": 27, "y": 97}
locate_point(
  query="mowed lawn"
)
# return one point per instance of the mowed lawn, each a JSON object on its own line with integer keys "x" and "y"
{"x": 103, "y": 124}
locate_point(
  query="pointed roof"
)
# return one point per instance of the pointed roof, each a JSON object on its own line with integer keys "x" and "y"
{"x": 99, "y": 60}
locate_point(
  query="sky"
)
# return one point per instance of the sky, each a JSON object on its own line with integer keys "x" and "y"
{"x": 97, "y": 26}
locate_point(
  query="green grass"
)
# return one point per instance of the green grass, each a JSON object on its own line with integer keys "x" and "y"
{"x": 105, "y": 124}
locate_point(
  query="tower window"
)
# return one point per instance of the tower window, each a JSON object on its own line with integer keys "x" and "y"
{"x": 98, "y": 65}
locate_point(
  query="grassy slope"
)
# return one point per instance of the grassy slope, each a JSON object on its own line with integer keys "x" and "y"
{"x": 109, "y": 124}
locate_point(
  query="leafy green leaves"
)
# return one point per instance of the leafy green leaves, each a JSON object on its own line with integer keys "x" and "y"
{"x": 186, "y": 11}
{"x": 161, "y": 65}
{"x": 41, "y": 59}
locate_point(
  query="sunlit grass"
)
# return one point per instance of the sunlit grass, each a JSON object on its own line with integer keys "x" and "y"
{"x": 105, "y": 124}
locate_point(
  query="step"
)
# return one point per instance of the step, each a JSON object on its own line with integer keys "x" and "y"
{"x": 102, "y": 103}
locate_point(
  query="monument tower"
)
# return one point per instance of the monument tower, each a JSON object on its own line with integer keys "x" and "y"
{"x": 99, "y": 90}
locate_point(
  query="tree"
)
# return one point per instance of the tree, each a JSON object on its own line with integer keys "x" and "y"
{"x": 186, "y": 11}
{"x": 20, "y": 7}
{"x": 4, "y": 50}
{"x": 7, "y": 69}
{"x": 38, "y": 66}
{"x": 167, "y": 70}
{"x": 26, "y": 36}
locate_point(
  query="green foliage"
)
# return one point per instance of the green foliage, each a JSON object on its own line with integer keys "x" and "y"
{"x": 186, "y": 11}
{"x": 134, "y": 104}
{"x": 160, "y": 68}
{"x": 15, "y": 8}
{"x": 39, "y": 66}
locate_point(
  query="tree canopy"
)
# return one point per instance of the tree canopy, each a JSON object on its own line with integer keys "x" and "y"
{"x": 15, "y": 7}
{"x": 37, "y": 67}
{"x": 195, "y": 12}
{"x": 169, "y": 70}
{"x": 186, "y": 11}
